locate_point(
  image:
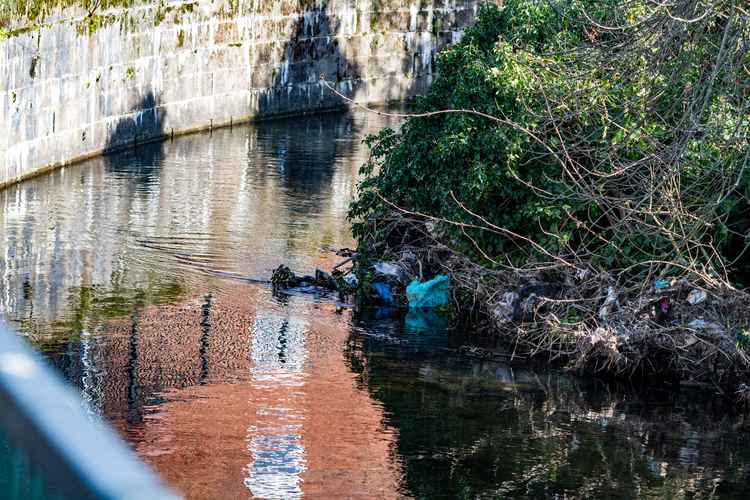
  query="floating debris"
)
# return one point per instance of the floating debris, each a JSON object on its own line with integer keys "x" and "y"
{"x": 388, "y": 270}
{"x": 384, "y": 293}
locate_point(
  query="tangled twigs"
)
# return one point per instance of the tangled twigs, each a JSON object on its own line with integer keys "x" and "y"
{"x": 559, "y": 313}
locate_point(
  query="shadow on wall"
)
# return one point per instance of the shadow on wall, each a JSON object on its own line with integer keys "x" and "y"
{"x": 330, "y": 46}
{"x": 292, "y": 82}
{"x": 133, "y": 147}
{"x": 311, "y": 51}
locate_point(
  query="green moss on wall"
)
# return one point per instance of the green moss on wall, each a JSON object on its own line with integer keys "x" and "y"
{"x": 35, "y": 11}
{"x": 161, "y": 13}
{"x": 437, "y": 27}
{"x": 22, "y": 16}
{"x": 92, "y": 23}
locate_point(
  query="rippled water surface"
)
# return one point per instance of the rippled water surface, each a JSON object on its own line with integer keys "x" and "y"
{"x": 140, "y": 276}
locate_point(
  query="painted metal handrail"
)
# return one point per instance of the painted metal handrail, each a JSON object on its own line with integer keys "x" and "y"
{"x": 80, "y": 457}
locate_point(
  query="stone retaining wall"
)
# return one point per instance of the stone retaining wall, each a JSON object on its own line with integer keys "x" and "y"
{"x": 76, "y": 86}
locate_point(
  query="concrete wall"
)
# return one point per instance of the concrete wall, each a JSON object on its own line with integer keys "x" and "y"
{"x": 75, "y": 87}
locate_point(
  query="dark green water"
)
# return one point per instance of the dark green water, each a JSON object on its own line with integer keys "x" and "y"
{"x": 20, "y": 479}
{"x": 137, "y": 276}
{"x": 476, "y": 429}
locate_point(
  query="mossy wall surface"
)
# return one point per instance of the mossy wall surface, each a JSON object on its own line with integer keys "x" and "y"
{"x": 75, "y": 82}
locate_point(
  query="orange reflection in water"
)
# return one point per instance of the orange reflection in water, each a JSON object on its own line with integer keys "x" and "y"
{"x": 295, "y": 424}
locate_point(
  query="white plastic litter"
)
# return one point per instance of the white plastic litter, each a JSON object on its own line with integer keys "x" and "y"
{"x": 388, "y": 269}
{"x": 609, "y": 304}
{"x": 696, "y": 296}
{"x": 504, "y": 309}
{"x": 707, "y": 326}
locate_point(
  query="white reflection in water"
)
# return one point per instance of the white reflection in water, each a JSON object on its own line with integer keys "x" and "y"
{"x": 91, "y": 377}
{"x": 275, "y": 439}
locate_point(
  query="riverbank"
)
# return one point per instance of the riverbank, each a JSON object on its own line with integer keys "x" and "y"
{"x": 656, "y": 330}
{"x": 551, "y": 176}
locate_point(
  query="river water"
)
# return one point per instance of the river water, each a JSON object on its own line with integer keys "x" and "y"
{"x": 137, "y": 277}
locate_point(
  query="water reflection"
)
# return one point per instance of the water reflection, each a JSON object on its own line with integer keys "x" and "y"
{"x": 125, "y": 157}
{"x": 275, "y": 437}
{"x": 142, "y": 284}
{"x": 240, "y": 202}
{"x": 205, "y": 335}
{"x": 471, "y": 429}
{"x": 138, "y": 282}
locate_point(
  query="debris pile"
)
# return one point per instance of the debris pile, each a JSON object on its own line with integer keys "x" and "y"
{"x": 671, "y": 328}
{"x": 379, "y": 283}
{"x": 678, "y": 329}
{"x": 284, "y": 278}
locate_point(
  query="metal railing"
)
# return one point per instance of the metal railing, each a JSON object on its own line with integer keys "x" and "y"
{"x": 43, "y": 417}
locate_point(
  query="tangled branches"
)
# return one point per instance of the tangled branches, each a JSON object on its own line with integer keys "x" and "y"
{"x": 585, "y": 318}
{"x": 592, "y": 147}
{"x": 629, "y": 148}
{"x": 672, "y": 179}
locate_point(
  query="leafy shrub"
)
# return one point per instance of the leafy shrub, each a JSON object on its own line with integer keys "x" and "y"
{"x": 611, "y": 132}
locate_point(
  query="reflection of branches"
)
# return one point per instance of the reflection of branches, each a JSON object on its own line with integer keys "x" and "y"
{"x": 94, "y": 7}
{"x": 552, "y": 434}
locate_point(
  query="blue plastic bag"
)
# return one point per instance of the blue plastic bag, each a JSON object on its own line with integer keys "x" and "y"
{"x": 432, "y": 293}
{"x": 384, "y": 292}
{"x": 661, "y": 284}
